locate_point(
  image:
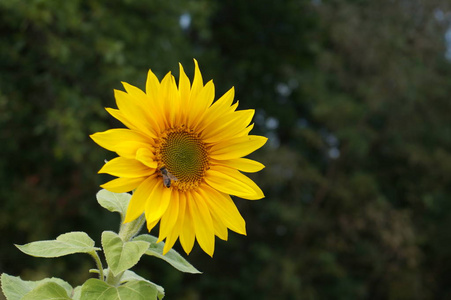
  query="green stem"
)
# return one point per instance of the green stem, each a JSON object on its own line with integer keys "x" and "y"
{"x": 98, "y": 263}
{"x": 128, "y": 230}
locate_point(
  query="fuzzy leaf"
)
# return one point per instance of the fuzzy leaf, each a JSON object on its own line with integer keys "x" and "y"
{"x": 121, "y": 256}
{"x": 68, "y": 243}
{"x": 77, "y": 293}
{"x": 95, "y": 289}
{"x": 172, "y": 257}
{"x": 15, "y": 288}
{"x": 47, "y": 290}
{"x": 114, "y": 202}
{"x": 130, "y": 276}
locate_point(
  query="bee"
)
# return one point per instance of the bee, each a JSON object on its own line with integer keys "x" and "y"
{"x": 167, "y": 177}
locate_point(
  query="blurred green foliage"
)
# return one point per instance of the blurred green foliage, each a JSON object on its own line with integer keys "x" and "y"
{"x": 353, "y": 94}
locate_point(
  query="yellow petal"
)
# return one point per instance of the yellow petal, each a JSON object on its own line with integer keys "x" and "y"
{"x": 112, "y": 137}
{"x": 224, "y": 207}
{"x": 237, "y": 147}
{"x": 151, "y": 225}
{"x": 219, "y": 228}
{"x": 187, "y": 234}
{"x": 124, "y": 167}
{"x": 133, "y": 111}
{"x": 145, "y": 156}
{"x": 117, "y": 114}
{"x": 244, "y": 118}
{"x": 219, "y": 109}
{"x": 146, "y": 105}
{"x": 153, "y": 93}
{"x": 122, "y": 185}
{"x": 199, "y": 107}
{"x": 203, "y": 225}
{"x": 242, "y": 164}
{"x": 173, "y": 103}
{"x": 158, "y": 202}
{"x": 231, "y": 181}
{"x": 197, "y": 82}
{"x": 217, "y": 117}
{"x": 169, "y": 218}
{"x": 224, "y": 102}
{"x": 247, "y": 130}
{"x": 229, "y": 127}
{"x": 129, "y": 149}
{"x": 152, "y": 86}
{"x": 176, "y": 230}
{"x": 168, "y": 99}
{"x": 139, "y": 198}
{"x": 184, "y": 85}
{"x": 185, "y": 91}
{"x": 169, "y": 243}
{"x": 134, "y": 91}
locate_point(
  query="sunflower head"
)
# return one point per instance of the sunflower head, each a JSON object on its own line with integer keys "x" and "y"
{"x": 182, "y": 154}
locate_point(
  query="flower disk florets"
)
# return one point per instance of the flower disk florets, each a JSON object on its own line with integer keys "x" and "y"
{"x": 184, "y": 155}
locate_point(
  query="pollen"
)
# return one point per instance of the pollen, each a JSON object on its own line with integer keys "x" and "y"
{"x": 184, "y": 155}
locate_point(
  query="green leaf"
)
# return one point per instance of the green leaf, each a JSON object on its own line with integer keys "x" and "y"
{"x": 172, "y": 257}
{"x": 47, "y": 290}
{"x": 114, "y": 202}
{"x": 15, "y": 288}
{"x": 121, "y": 256}
{"x": 131, "y": 276}
{"x": 95, "y": 289}
{"x": 68, "y": 243}
{"x": 77, "y": 293}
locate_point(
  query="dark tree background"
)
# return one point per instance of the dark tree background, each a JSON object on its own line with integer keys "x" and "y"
{"x": 354, "y": 96}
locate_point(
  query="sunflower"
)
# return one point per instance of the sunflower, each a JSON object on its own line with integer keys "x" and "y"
{"x": 181, "y": 154}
